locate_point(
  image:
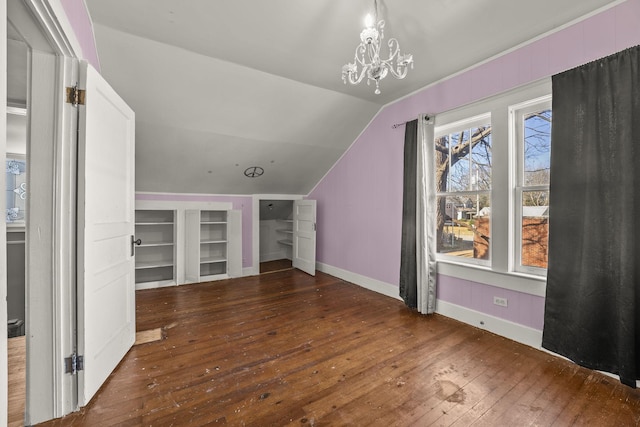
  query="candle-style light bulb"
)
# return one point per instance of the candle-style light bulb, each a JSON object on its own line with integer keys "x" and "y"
{"x": 368, "y": 21}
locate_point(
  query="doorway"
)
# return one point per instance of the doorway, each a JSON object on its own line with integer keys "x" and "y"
{"x": 36, "y": 77}
{"x": 276, "y": 235}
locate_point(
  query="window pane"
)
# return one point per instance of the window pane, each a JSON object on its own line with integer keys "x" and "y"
{"x": 459, "y": 177}
{"x": 442, "y": 162}
{"x": 535, "y": 228}
{"x": 464, "y": 226}
{"x": 481, "y": 158}
{"x": 537, "y": 147}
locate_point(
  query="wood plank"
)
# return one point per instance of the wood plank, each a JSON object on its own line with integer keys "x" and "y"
{"x": 289, "y": 349}
{"x": 16, "y": 362}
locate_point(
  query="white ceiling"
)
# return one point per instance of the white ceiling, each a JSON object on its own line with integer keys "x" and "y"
{"x": 219, "y": 86}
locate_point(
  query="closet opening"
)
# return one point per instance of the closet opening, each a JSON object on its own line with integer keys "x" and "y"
{"x": 276, "y": 235}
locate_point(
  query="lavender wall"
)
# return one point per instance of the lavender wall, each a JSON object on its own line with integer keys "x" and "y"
{"x": 360, "y": 199}
{"x": 78, "y": 16}
{"x": 242, "y": 203}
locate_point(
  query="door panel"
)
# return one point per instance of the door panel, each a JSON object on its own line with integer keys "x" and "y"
{"x": 304, "y": 236}
{"x": 106, "y": 278}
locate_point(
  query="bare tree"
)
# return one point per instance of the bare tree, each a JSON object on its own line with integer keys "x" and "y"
{"x": 463, "y": 162}
{"x": 451, "y": 149}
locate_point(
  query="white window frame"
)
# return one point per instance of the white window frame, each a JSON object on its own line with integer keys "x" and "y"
{"x": 501, "y": 272}
{"x": 463, "y": 125}
{"x": 516, "y": 114}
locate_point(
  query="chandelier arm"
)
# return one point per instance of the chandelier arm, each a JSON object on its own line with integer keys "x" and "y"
{"x": 355, "y": 80}
{"x": 394, "y": 48}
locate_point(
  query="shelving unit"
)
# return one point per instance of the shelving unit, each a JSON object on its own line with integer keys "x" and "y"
{"x": 213, "y": 245}
{"x": 155, "y": 256}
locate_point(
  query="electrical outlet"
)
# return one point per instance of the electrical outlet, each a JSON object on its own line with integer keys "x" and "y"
{"x": 502, "y": 302}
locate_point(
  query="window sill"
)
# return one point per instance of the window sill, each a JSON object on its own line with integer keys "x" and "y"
{"x": 515, "y": 281}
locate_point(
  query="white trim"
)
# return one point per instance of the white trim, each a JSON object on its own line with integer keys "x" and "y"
{"x": 162, "y": 193}
{"x": 53, "y": 19}
{"x": 177, "y": 205}
{"x": 360, "y": 280}
{"x": 519, "y": 282}
{"x": 513, "y": 331}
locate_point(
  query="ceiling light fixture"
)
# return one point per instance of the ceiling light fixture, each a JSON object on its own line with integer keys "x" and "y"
{"x": 367, "y": 61}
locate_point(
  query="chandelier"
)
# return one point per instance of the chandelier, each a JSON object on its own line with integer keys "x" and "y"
{"x": 367, "y": 61}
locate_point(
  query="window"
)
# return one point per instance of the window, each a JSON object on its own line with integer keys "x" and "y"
{"x": 492, "y": 184}
{"x": 463, "y": 161}
{"x": 532, "y": 144}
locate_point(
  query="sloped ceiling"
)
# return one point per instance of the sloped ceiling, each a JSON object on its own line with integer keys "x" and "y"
{"x": 220, "y": 86}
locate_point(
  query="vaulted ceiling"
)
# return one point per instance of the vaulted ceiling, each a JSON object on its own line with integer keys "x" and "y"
{"x": 220, "y": 86}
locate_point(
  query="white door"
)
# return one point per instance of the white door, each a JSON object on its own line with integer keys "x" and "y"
{"x": 304, "y": 235}
{"x": 106, "y": 276}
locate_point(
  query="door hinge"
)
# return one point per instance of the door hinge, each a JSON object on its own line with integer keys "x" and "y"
{"x": 75, "y": 96}
{"x": 73, "y": 364}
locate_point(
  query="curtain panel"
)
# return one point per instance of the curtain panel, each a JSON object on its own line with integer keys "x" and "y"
{"x": 592, "y": 308}
{"x": 417, "y": 262}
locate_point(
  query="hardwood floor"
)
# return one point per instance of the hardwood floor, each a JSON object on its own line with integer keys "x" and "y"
{"x": 16, "y": 362}
{"x": 289, "y": 349}
{"x": 277, "y": 265}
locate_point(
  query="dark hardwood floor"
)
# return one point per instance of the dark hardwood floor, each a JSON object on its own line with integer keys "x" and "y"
{"x": 277, "y": 265}
{"x": 289, "y": 349}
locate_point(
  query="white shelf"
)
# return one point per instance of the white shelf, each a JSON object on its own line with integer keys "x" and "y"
{"x": 209, "y": 242}
{"x": 286, "y": 242}
{"x": 212, "y": 260}
{"x": 213, "y": 222}
{"x": 150, "y": 264}
{"x": 154, "y": 223}
{"x": 285, "y": 231}
{"x": 154, "y": 245}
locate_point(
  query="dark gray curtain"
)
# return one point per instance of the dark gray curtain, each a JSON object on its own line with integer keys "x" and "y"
{"x": 408, "y": 266}
{"x": 592, "y": 313}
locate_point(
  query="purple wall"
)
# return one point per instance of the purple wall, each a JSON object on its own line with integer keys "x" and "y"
{"x": 360, "y": 199}
{"x": 76, "y": 11}
{"x": 242, "y": 203}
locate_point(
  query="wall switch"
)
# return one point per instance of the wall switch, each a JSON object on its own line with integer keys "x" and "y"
{"x": 502, "y": 302}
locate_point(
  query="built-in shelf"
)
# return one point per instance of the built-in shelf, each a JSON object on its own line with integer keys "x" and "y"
{"x": 155, "y": 256}
{"x": 209, "y": 235}
{"x": 144, "y": 265}
{"x": 288, "y": 231}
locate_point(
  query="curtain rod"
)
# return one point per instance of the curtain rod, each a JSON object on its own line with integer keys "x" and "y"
{"x": 397, "y": 125}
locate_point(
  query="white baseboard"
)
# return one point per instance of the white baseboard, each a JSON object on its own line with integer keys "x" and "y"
{"x": 519, "y": 333}
{"x": 360, "y": 280}
{"x": 153, "y": 285}
{"x": 513, "y": 331}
